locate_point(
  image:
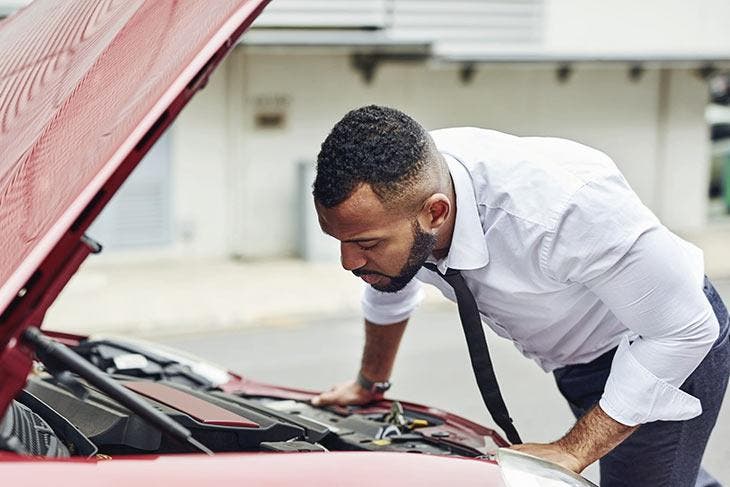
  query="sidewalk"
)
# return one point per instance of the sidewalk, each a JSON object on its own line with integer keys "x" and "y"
{"x": 184, "y": 296}
{"x": 187, "y": 296}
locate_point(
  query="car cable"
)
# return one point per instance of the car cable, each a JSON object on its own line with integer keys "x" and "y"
{"x": 54, "y": 352}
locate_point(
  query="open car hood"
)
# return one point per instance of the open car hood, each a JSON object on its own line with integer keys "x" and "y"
{"x": 86, "y": 88}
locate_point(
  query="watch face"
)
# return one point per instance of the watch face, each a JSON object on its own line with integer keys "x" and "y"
{"x": 381, "y": 386}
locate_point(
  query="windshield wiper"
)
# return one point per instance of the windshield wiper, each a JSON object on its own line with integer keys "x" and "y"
{"x": 57, "y": 353}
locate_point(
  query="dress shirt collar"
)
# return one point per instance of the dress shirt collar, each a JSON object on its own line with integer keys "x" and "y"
{"x": 468, "y": 248}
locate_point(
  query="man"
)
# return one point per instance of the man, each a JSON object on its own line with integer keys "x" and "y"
{"x": 562, "y": 258}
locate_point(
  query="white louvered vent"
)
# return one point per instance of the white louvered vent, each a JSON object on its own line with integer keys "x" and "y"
{"x": 139, "y": 214}
{"x": 324, "y": 14}
{"x": 460, "y": 26}
{"x": 453, "y": 28}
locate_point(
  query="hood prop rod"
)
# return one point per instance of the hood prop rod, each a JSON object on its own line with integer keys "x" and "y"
{"x": 60, "y": 354}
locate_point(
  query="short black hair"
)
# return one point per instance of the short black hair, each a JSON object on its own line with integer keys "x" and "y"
{"x": 377, "y": 145}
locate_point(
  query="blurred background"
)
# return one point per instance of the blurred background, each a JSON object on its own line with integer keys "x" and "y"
{"x": 213, "y": 246}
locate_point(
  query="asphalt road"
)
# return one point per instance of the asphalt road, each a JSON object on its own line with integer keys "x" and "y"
{"x": 432, "y": 368}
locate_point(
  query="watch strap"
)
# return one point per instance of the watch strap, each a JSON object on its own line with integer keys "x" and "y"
{"x": 372, "y": 386}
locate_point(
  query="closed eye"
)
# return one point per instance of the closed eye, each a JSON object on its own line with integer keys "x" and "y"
{"x": 368, "y": 245}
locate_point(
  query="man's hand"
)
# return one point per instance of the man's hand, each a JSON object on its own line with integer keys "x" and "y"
{"x": 345, "y": 394}
{"x": 381, "y": 345}
{"x": 552, "y": 453}
{"x": 594, "y": 435}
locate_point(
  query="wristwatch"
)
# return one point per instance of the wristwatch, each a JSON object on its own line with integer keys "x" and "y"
{"x": 373, "y": 387}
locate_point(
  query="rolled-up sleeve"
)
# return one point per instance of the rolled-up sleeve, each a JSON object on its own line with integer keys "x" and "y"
{"x": 388, "y": 308}
{"x": 649, "y": 281}
{"x": 654, "y": 292}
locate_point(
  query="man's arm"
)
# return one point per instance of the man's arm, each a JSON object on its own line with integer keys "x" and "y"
{"x": 378, "y": 357}
{"x": 651, "y": 290}
{"x": 381, "y": 347}
{"x": 593, "y": 436}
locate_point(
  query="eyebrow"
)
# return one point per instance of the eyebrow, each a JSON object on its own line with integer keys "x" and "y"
{"x": 351, "y": 240}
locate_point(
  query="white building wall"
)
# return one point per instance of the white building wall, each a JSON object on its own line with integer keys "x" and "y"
{"x": 630, "y": 27}
{"x": 200, "y": 168}
{"x": 234, "y": 187}
{"x": 656, "y": 136}
{"x": 682, "y": 176}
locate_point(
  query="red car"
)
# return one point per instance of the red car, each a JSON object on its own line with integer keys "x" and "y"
{"x": 86, "y": 88}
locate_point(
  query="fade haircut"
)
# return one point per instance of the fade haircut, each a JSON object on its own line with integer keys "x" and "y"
{"x": 374, "y": 145}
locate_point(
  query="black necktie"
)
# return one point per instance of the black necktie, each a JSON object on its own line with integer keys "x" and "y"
{"x": 481, "y": 362}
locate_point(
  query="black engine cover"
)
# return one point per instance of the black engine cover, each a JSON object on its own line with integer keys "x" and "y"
{"x": 114, "y": 429}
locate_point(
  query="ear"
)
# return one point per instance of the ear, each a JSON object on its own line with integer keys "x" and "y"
{"x": 435, "y": 211}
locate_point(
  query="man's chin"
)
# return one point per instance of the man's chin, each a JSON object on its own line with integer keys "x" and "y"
{"x": 390, "y": 285}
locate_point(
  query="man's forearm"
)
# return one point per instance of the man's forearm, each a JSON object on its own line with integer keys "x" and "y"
{"x": 381, "y": 346}
{"x": 594, "y": 435}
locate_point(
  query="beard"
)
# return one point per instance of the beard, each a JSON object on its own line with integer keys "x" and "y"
{"x": 423, "y": 245}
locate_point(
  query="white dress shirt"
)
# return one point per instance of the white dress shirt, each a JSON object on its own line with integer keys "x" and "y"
{"x": 564, "y": 260}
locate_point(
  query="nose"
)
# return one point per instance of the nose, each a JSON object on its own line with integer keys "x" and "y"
{"x": 351, "y": 257}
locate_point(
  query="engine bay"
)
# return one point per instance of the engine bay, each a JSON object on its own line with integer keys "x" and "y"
{"x": 60, "y": 414}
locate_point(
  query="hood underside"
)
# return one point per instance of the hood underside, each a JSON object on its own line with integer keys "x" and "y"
{"x": 86, "y": 88}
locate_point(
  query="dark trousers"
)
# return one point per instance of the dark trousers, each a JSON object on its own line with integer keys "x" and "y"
{"x": 661, "y": 453}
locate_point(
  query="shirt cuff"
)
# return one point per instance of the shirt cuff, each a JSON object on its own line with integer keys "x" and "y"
{"x": 633, "y": 395}
{"x": 382, "y": 308}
